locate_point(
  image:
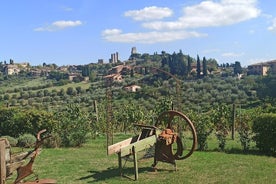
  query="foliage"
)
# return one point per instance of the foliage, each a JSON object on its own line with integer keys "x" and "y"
{"x": 15, "y": 122}
{"x": 204, "y": 127}
{"x": 244, "y": 130}
{"x": 266, "y": 87}
{"x": 244, "y": 122}
{"x": 57, "y": 75}
{"x": 35, "y": 102}
{"x": 13, "y": 141}
{"x": 73, "y": 126}
{"x": 98, "y": 119}
{"x": 204, "y": 67}
{"x": 163, "y": 105}
{"x": 237, "y": 68}
{"x": 7, "y": 124}
{"x": 128, "y": 115}
{"x": 53, "y": 142}
{"x": 26, "y": 140}
{"x": 198, "y": 67}
{"x": 264, "y": 127}
{"x": 221, "y": 119}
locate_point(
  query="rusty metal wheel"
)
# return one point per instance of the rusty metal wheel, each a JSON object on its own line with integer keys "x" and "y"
{"x": 185, "y": 129}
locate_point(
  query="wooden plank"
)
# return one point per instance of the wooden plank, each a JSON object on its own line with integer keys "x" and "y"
{"x": 2, "y": 161}
{"x": 116, "y": 148}
{"x": 139, "y": 145}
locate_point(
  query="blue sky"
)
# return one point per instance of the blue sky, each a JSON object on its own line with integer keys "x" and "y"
{"x": 83, "y": 31}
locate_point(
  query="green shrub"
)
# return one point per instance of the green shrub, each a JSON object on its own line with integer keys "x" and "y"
{"x": 13, "y": 141}
{"x": 204, "y": 128}
{"x": 53, "y": 142}
{"x": 221, "y": 118}
{"x": 264, "y": 128}
{"x": 73, "y": 126}
{"x": 26, "y": 141}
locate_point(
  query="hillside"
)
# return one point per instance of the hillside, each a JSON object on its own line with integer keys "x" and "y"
{"x": 191, "y": 93}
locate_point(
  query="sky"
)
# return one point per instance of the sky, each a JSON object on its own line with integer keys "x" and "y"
{"x": 68, "y": 32}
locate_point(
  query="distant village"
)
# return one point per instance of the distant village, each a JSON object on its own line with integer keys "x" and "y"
{"x": 13, "y": 68}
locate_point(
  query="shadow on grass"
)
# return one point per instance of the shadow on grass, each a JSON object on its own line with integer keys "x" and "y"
{"x": 96, "y": 176}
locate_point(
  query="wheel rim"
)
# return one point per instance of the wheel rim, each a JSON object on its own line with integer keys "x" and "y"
{"x": 181, "y": 124}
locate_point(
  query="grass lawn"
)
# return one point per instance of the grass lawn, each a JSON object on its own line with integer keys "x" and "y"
{"x": 90, "y": 164}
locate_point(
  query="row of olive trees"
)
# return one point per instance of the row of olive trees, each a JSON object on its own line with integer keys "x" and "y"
{"x": 44, "y": 93}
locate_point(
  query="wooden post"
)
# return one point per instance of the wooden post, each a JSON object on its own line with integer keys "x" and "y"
{"x": 3, "y": 161}
{"x": 135, "y": 162}
{"x": 233, "y": 121}
{"x": 120, "y": 163}
{"x": 96, "y": 110}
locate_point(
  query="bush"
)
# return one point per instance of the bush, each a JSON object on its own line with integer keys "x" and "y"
{"x": 13, "y": 141}
{"x": 203, "y": 127}
{"x": 26, "y": 141}
{"x": 53, "y": 142}
{"x": 264, "y": 128}
{"x": 73, "y": 126}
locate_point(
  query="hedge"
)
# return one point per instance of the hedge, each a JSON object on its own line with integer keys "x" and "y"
{"x": 264, "y": 127}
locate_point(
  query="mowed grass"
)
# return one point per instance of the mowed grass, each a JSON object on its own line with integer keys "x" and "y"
{"x": 91, "y": 164}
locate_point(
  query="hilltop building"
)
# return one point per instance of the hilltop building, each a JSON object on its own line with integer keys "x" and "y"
{"x": 133, "y": 50}
{"x": 262, "y": 68}
{"x": 15, "y": 68}
{"x": 114, "y": 58}
{"x": 100, "y": 61}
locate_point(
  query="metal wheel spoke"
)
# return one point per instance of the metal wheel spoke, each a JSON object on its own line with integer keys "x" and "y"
{"x": 183, "y": 127}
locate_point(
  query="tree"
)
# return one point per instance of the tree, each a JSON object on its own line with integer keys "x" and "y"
{"x": 237, "y": 68}
{"x": 85, "y": 70}
{"x": 212, "y": 65}
{"x": 204, "y": 63}
{"x": 61, "y": 92}
{"x": 198, "y": 67}
{"x": 267, "y": 87}
{"x": 221, "y": 117}
{"x": 70, "y": 91}
{"x": 93, "y": 76}
{"x": 204, "y": 128}
{"x": 189, "y": 67}
{"x": 73, "y": 126}
{"x": 11, "y": 62}
{"x": 78, "y": 88}
{"x": 6, "y": 97}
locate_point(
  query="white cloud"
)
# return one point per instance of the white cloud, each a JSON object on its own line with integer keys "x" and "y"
{"x": 116, "y": 35}
{"x": 210, "y": 13}
{"x": 111, "y": 32}
{"x": 232, "y": 54}
{"x": 59, "y": 25}
{"x": 149, "y": 13}
{"x": 273, "y": 26}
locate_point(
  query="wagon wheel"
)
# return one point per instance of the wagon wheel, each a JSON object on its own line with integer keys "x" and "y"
{"x": 185, "y": 130}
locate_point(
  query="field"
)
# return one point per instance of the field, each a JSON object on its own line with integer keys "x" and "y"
{"x": 91, "y": 164}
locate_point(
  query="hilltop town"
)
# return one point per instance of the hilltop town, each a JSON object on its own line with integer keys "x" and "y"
{"x": 116, "y": 66}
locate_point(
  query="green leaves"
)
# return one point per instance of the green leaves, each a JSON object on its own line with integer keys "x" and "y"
{"x": 73, "y": 126}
